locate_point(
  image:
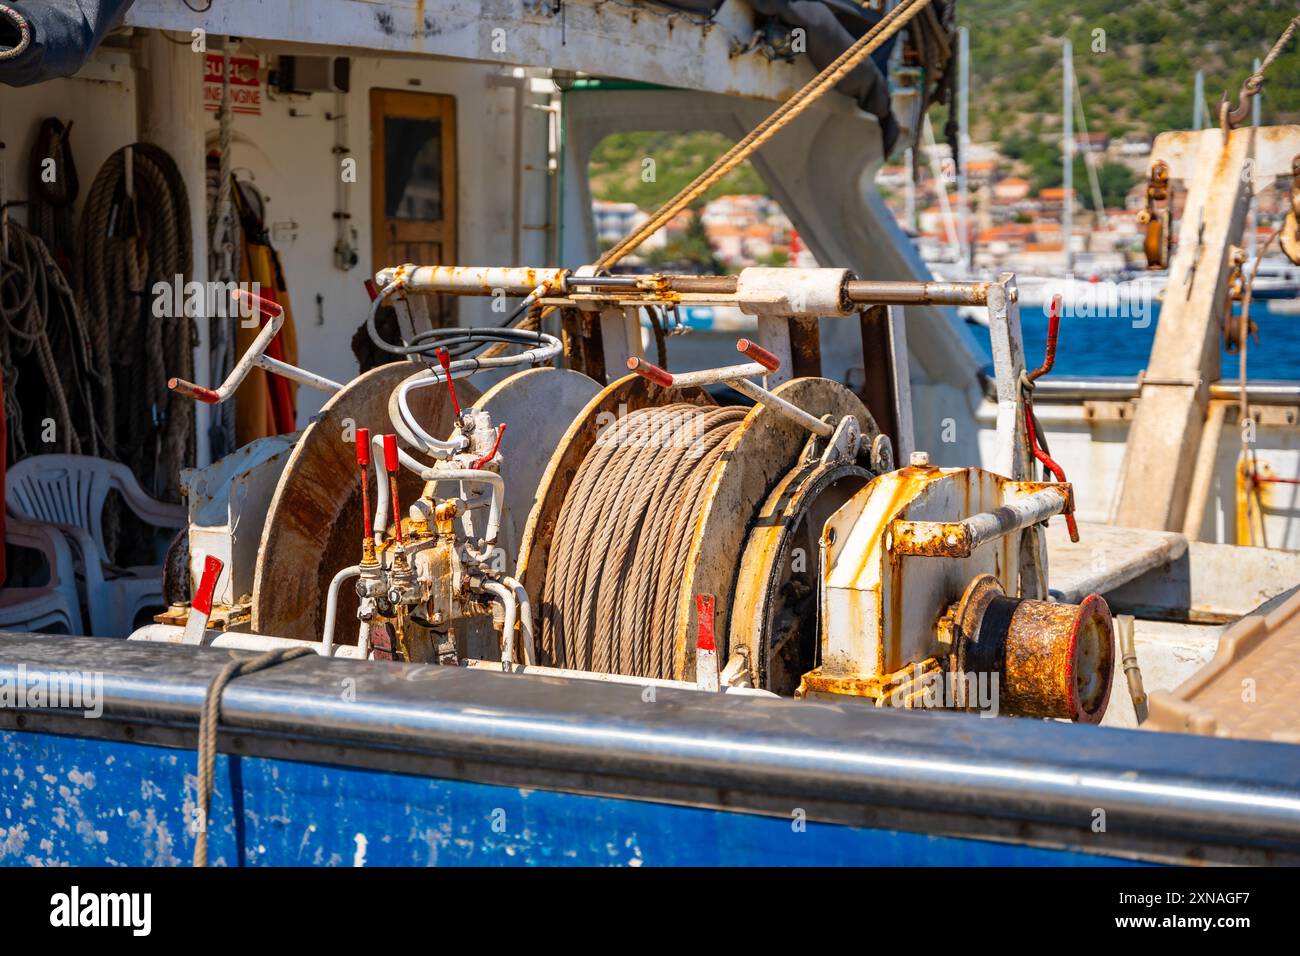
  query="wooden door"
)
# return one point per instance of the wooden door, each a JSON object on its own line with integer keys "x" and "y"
{"x": 413, "y": 181}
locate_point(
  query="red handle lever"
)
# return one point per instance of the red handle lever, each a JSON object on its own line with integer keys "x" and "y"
{"x": 759, "y": 354}
{"x": 444, "y": 359}
{"x": 652, "y": 372}
{"x": 199, "y": 393}
{"x": 207, "y": 585}
{"x": 1053, "y": 333}
{"x": 390, "y": 453}
{"x": 479, "y": 463}
{"x": 363, "y": 447}
{"x": 267, "y": 307}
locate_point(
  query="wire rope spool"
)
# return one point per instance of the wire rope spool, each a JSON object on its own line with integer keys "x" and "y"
{"x": 774, "y": 614}
{"x": 647, "y": 503}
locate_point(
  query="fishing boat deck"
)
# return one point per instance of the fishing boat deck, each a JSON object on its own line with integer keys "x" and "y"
{"x": 1105, "y": 557}
{"x": 1250, "y": 689}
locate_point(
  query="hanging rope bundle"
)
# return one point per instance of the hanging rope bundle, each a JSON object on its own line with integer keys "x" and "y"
{"x": 618, "y": 556}
{"x": 54, "y": 189}
{"x": 135, "y": 233}
{"x": 40, "y": 321}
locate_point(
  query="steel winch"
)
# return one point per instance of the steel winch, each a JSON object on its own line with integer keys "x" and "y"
{"x": 739, "y": 528}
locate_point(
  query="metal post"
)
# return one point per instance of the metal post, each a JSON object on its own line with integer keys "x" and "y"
{"x": 1252, "y": 224}
{"x": 1166, "y": 434}
{"x": 169, "y": 97}
{"x": 1011, "y": 457}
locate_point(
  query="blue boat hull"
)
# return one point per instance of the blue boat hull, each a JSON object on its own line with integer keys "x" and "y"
{"x": 84, "y": 802}
{"x": 334, "y": 762}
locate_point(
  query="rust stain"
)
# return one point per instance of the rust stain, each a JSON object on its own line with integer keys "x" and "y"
{"x": 1058, "y": 660}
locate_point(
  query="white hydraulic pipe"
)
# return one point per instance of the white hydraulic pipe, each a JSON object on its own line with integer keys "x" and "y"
{"x": 525, "y": 619}
{"x": 172, "y": 634}
{"x": 403, "y": 418}
{"x": 332, "y": 606}
{"x": 507, "y": 598}
{"x": 490, "y": 478}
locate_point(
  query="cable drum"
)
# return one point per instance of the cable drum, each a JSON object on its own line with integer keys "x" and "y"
{"x": 617, "y": 562}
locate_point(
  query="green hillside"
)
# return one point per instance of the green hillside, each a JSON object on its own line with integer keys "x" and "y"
{"x": 1136, "y": 76}
{"x": 1136, "y": 61}
{"x": 619, "y": 171}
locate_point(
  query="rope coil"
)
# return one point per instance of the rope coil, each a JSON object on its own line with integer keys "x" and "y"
{"x": 617, "y": 560}
{"x": 210, "y": 720}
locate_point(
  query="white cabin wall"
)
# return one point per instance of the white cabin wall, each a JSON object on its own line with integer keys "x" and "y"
{"x": 103, "y": 115}
{"x": 290, "y": 158}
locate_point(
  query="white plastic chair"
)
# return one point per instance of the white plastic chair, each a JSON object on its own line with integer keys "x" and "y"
{"x": 68, "y": 492}
{"x": 48, "y": 607}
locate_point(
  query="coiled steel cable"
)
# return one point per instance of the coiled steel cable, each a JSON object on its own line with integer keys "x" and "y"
{"x": 617, "y": 558}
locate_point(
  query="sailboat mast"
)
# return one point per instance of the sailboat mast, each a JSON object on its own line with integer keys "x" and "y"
{"x": 963, "y": 140}
{"x": 1067, "y": 153}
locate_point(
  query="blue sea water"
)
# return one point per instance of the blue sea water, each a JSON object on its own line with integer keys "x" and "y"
{"x": 1089, "y": 345}
{"x": 1111, "y": 345}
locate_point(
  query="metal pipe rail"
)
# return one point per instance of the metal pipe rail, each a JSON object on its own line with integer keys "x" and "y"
{"x": 562, "y": 285}
{"x": 1110, "y": 388}
{"x": 1208, "y": 799}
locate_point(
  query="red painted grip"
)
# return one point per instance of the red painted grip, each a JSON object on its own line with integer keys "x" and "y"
{"x": 190, "y": 390}
{"x": 480, "y": 462}
{"x": 363, "y": 447}
{"x": 265, "y": 306}
{"x": 390, "y": 453}
{"x": 652, "y": 372}
{"x": 704, "y": 607}
{"x": 207, "y": 585}
{"x": 759, "y": 354}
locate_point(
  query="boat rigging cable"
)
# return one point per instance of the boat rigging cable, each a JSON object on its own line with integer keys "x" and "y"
{"x": 617, "y": 561}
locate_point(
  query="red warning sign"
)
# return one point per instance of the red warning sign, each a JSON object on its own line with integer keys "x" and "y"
{"x": 245, "y": 85}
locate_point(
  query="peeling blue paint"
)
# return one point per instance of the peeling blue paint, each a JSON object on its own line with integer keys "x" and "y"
{"x": 136, "y": 808}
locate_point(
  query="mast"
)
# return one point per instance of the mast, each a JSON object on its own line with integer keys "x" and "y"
{"x": 909, "y": 192}
{"x": 1067, "y": 153}
{"x": 963, "y": 141}
{"x": 1252, "y": 224}
{"x": 1198, "y": 100}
